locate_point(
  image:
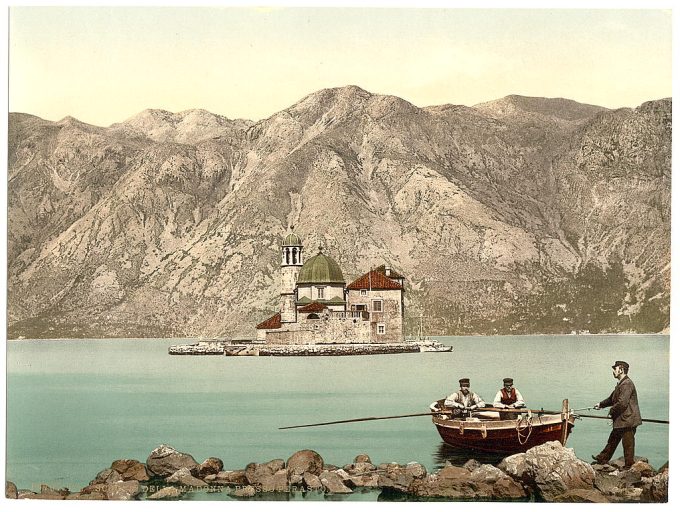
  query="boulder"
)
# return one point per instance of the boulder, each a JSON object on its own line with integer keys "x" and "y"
{"x": 46, "y": 489}
{"x": 89, "y": 496}
{"x": 11, "y": 490}
{"x": 344, "y": 476}
{"x": 551, "y": 469}
{"x": 362, "y": 458}
{"x": 237, "y": 477}
{"x": 515, "y": 466}
{"x": 120, "y": 491}
{"x": 642, "y": 468}
{"x": 301, "y": 462}
{"x": 621, "y": 462}
{"x": 255, "y": 473}
{"x": 165, "y": 460}
{"x": 278, "y": 482}
{"x": 582, "y": 496}
{"x": 130, "y": 469}
{"x": 184, "y": 477}
{"x": 398, "y": 478}
{"x": 333, "y": 484}
{"x": 107, "y": 476}
{"x": 365, "y": 480}
{"x": 416, "y": 469}
{"x": 24, "y": 493}
{"x": 166, "y": 493}
{"x": 452, "y": 482}
{"x": 210, "y": 466}
{"x": 657, "y": 490}
{"x": 472, "y": 464}
{"x": 311, "y": 481}
{"x": 245, "y": 492}
{"x": 359, "y": 468}
{"x": 607, "y": 483}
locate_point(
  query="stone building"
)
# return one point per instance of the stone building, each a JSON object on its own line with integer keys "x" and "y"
{"x": 318, "y": 307}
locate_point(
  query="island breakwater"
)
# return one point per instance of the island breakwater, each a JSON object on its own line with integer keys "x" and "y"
{"x": 317, "y": 349}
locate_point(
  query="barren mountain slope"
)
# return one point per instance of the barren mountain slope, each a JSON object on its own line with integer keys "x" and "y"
{"x": 502, "y": 216}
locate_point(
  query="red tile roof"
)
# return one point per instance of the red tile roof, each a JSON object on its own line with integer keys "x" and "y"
{"x": 393, "y": 273}
{"x": 312, "y": 307}
{"x": 374, "y": 280}
{"x": 271, "y": 323}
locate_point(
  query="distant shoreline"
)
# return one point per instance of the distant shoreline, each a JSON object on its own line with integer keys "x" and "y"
{"x": 431, "y": 336}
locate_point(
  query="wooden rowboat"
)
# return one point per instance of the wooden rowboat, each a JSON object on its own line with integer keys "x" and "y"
{"x": 487, "y": 432}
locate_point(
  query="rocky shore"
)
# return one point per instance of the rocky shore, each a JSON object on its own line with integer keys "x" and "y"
{"x": 549, "y": 473}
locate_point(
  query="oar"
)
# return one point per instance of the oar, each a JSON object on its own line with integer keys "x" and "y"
{"x": 372, "y": 418}
{"x": 444, "y": 411}
{"x": 644, "y": 420}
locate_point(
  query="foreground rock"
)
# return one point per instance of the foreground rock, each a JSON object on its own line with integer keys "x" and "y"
{"x": 550, "y": 469}
{"x": 304, "y": 461}
{"x": 459, "y": 483}
{"x": 130, "y": 469}
{"x": 549, "y": 472}
{"x": 210, "y": 466}
{"x": 165, "y": 460}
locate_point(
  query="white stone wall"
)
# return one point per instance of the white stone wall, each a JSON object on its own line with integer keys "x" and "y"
{"x": 331, "y": 330}
{"x": 391, "y": 315}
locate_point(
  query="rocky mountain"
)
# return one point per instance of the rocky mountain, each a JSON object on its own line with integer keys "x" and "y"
{"x": 521, "y": 215}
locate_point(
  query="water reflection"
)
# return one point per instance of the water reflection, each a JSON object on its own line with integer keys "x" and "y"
{"x": 459, "y": 456}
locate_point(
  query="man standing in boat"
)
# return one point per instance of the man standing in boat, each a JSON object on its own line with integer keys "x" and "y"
{"x": 625, "y": 412}
{"x": 508, "y": 397}
{"x": 463, "y": 399}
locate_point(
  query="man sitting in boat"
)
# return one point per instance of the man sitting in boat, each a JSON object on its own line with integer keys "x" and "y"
{"x": 464, "y": 399}
{"x": 508, "y": 397}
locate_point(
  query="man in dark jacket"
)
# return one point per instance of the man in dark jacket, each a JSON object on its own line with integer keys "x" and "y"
{"x": 625, "y": 413}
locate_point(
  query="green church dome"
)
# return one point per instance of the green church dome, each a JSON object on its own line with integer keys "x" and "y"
{"x": 320, "y": 269}
{"x": 292, "y": 239}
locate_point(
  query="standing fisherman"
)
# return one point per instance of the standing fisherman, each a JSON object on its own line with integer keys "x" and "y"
{"x": 626, "y": 415}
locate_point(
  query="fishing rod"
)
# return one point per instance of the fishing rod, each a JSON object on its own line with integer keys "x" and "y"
{"x": 446, "y": 411}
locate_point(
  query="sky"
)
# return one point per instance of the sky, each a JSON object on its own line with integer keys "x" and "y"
{"x": 103, "y": 65}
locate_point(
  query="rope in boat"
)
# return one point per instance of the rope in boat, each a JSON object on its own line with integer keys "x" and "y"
{"x": 521, "y": 438}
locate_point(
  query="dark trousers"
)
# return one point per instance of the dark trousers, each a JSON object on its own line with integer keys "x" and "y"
{"x": 626, "y": 434}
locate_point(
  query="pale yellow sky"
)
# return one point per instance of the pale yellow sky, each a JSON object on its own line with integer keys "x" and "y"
{"x": 103, "y": 65}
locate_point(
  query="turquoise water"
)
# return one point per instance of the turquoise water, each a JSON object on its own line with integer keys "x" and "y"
{"x": 74, "y": 406}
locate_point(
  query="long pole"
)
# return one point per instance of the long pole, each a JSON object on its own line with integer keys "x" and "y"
{"x": 445, "y": 411}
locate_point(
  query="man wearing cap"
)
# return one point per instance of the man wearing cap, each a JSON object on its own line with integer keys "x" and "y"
{"x": 625, "y": 414}
{"x": 508, "y": 397}
{"x": 464, "y": 398}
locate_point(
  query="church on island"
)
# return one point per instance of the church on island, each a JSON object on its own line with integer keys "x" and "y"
{"x": 318, "y": 307}
{"x": 320, "y": 315}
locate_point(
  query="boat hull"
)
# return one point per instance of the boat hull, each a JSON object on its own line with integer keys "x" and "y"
{"x": 502, "y": 436}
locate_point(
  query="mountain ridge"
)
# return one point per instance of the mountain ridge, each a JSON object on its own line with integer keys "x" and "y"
{"x": 167, "y": 231}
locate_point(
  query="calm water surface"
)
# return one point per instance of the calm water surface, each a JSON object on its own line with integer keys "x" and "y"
{"x": 75, "y": 406}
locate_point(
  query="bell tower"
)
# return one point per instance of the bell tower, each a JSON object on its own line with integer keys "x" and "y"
{"x": 291, "y": 262}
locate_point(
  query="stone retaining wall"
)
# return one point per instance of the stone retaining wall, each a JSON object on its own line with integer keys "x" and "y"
{"x": 337, "y": 350}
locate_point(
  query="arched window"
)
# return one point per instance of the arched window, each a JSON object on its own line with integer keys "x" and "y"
{"x": 287, "y": 256}
{"x": 312, "y": 316}
{"x": 295, "y": 251}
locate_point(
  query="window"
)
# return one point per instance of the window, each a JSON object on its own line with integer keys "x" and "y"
{"x": 381, "y": 328}
{"x": 360, "y": 307}
{"x": 364, "y": 292}
{"x": 377, "y": 305}
{"x": 319, "y": 292}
